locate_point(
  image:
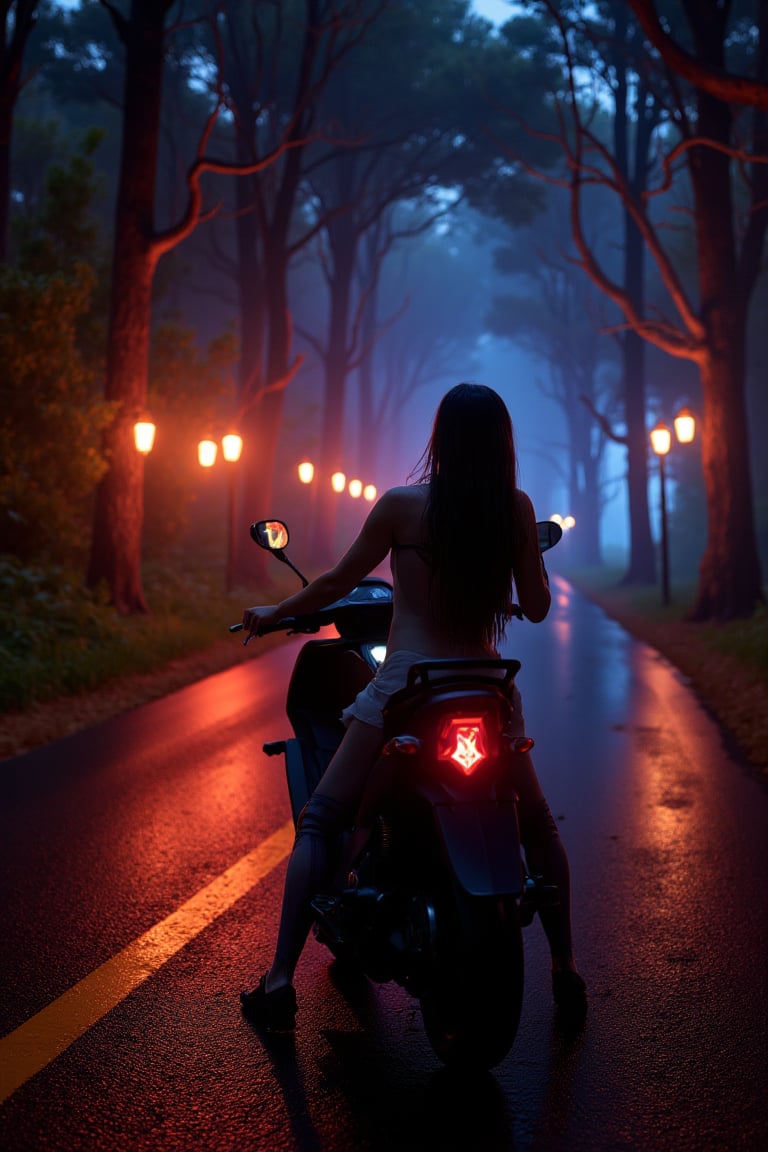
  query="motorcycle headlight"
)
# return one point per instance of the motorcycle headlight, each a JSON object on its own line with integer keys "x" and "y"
{"x": 376, "y": 653}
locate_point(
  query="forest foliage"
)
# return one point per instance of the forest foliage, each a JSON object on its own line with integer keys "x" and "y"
{"x": 424, "y": 229}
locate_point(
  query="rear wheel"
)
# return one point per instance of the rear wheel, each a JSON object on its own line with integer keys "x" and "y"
{"x": 471, "y": 1010}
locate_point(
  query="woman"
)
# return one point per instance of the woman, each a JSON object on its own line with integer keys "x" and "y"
{"x": 457, "y": 540}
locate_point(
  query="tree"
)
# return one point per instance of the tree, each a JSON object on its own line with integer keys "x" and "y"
{"x": 188, "y": 387}
{"x": 51, "y": 340}
{"x": 386, "y": 100}
{"x": 278, "y": 60}
{"x": 635, "y": 117}
{"x": 17, "y": 19}
{"x": 414, "y": 99}
{"x": 607, "y": 46}
{"x": 705, "y": 136}
{"x": 433, "y": 331}
{"x": 138, "y": 246}
{"x": 703, "y": 74}
{"x": 118, "y": 515}
{"x": 548, "y": 313}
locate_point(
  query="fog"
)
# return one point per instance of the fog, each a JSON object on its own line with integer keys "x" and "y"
{"x": 470, "y": 276}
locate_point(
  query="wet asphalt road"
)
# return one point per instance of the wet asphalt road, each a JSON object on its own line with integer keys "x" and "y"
{"x": 107, "y": 834}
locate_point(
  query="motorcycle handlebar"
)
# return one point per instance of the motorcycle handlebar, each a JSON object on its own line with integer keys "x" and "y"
{"x": 287, "y": 624}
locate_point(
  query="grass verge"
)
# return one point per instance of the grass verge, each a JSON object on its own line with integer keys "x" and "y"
{"x": 68, "y": 661}
{"x": 57, "y": 638}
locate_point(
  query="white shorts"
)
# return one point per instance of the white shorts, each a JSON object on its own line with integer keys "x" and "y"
{"x": 392, "y": 675}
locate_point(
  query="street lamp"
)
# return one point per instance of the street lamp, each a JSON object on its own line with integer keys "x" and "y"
{"x": 144, "y": 434}
{"x": 338, "y": 481}
{"x": 231, "y": 450}
{"x": 685, "y": 426}
{"x": 232, "y": 447}
{"x": 661, "y": 442}
{"x": 207, "y": 450}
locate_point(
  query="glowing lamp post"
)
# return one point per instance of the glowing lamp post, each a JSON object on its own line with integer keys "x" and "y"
{"x": 231, "y": 450}
{"x": 355, "y": 489}
{"x": 661, "y": 442}
{"x": 306, "y": 472}
{"x": 369, "y": 493}
{"x": 232, "y": 447}
{"x": 207, "y": 450}
{"x": 338, "y": 482}
{"x": 685, "y": 426}
{"x": 144, "y": 435}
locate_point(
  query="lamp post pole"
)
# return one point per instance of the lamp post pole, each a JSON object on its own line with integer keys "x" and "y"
{"x": 231, "y": 448}
{"x": 664, "y": 537}
{"x": 661, "y": 442}
{"x": 231, "y": 529}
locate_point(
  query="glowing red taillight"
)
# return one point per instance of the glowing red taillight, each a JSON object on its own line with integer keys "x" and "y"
{"x": 463, "y": 743}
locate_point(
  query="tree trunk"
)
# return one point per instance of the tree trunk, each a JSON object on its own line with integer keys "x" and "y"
{"x": 17, "y": 26}
{"x": 582, "y": 465}
{"x": 119, "y": 506}
{"x": 367, "y": 432}
{"x": 248, "y": 561}
{"x": 588, "y": 515}
{"x": 729, "y": 575}
{"x": 263, "y": 418}
{"x": 333, "y": 453}
{"x": 6, "y": 131}
{"x": 642, "y": 564}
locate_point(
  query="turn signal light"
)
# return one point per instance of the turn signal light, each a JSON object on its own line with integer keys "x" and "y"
{"x": 463, "y": 743}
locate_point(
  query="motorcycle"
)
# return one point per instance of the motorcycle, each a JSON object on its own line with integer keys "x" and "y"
{"x": 431, "y": 889}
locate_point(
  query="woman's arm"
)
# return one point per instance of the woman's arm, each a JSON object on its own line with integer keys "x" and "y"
{"x": 366, "y": 553}
{"x": 530, "y": 579}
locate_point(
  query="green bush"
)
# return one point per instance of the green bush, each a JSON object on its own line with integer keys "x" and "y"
{"x": 57, "y": 638}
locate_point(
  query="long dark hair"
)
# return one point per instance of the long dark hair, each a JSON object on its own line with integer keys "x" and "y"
{"x": 472, "y": 521}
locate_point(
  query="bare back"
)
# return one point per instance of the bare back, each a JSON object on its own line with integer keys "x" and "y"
{"x": 416, "y": 622}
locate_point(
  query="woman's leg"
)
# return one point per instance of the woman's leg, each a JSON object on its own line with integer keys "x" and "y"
{"x": 329, "y": 810}
{"x": 545, "y": 856}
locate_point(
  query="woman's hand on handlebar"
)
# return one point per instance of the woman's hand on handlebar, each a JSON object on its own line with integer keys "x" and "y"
{"x": 258, "y": 619}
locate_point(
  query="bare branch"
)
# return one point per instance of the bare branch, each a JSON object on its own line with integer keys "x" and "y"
{"x": 603, "y": 422}
{"x": 724, "y": 85}
{"x": 254, "y": 398}
{"x": 117, "y": 18}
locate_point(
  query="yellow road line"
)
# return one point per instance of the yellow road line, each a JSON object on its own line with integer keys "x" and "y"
{"x": 45, "y": 1036}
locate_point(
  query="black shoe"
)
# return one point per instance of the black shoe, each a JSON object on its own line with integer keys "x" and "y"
{"x": 273, "y": 1011}
{"x": 570, "y": 993}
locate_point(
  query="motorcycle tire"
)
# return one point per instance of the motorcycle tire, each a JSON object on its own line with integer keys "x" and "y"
{"x": 471, "y": 1009}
